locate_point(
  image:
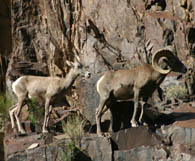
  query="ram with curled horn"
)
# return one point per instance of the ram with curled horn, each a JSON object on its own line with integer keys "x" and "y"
{"x": 136, "y": 83}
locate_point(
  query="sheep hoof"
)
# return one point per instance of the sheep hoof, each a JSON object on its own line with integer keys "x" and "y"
{"x": 100, "y": 134}
{"x": 44, "y": 131}
{"x": 22, "y": 131}
{"x": 108, "y": 135}
{"x": 145, "y": 124}
{"x": 134, "y": 124}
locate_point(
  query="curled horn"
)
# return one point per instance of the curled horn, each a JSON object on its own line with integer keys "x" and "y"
{"x": 164, "y": 53}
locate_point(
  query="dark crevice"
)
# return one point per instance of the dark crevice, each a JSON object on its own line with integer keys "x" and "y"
{"x": 191, "y": 40}
{"x": 101, "y": 38}
{"x": 96, "y": 31}
{"x": 140, "y": 31}
{"x": 105, "y": 61}
{"x": 71, "y": 20}
{"x": 61, "y": 18}
{"x": 191, "y": 35}
{"x": 161, "y": 3}
{"x": 168, "y": 36}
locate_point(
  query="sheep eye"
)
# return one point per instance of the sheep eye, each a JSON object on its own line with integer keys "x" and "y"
{"x": 172, "y": 61}
{"x": 79, "y": 66}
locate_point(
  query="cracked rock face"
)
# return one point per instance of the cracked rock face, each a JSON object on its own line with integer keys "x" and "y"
{"x": 109, "y": 35}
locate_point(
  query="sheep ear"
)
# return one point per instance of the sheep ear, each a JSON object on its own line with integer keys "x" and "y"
{"x": 77, "y": 58}
{"x": 69, "y": 63}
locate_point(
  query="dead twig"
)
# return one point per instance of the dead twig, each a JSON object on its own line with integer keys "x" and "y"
{"x": 66, "y": 114}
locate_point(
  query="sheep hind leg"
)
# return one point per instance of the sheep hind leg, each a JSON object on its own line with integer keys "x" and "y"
{"x": 20, "y": 128}
{"x": 134, "y": 123}
{"x": 11, "y": 114}
{"x": 17, "y": 113}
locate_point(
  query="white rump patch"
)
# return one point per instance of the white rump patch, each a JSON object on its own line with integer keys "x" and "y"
{"x": 98, "y": 83}
{"x": 15, "y": 84}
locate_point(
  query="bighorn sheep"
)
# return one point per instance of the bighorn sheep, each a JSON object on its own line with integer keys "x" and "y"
{"x": 45, "y": 88}
{"x": 139, "y": 82}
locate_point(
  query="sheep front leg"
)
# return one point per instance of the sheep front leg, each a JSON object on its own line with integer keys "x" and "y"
{"x": 99, "y": 112}
{"x": 44, "y": 129}
{"x": 142, "y": 112}
{"x": 47, "y": 121}
{"x": 136, "y": 105}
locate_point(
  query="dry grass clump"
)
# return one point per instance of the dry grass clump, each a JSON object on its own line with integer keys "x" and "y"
{"x": 176, "y": 92}
{"x": 74, "y": 128}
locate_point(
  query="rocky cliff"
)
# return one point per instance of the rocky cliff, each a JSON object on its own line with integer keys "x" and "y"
{"x": 37, "y": 37}
{"x": 106, "y": 35}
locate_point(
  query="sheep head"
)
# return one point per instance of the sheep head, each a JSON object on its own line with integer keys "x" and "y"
{"x": 78, "y": 67}
{"x": 169, "y": 57}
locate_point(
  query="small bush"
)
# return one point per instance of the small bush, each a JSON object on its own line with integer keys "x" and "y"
{"x": 69, "y": 152}
{"x": 5, "y": 104}
{"x": 36, "y": 112}
{"x": 74, "y": 129}
{"x": 176, "y": 91}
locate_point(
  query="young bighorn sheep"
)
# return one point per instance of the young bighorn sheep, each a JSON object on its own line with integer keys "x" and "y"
{"x": 45, "y": 88}
{"x": 139, "y": 82}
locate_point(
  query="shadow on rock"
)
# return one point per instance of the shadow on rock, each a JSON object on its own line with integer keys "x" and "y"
{"x": 122, "y": 113}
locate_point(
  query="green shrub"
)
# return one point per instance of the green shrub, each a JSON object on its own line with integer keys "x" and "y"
{"x": 36, "y": 112}
{"x": 5, "y": 104}
{"x": 74, "y": 129}
{"x": 69, "y": 151}
{"x": 176, "y": 91}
